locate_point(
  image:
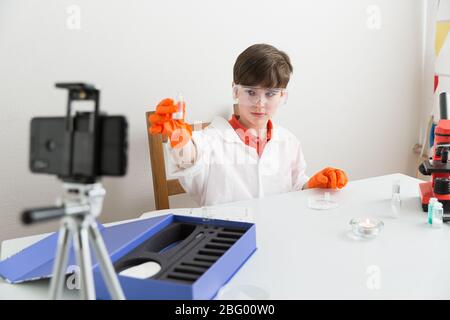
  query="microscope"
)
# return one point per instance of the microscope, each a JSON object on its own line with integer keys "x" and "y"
{"x": 438, "y": 166}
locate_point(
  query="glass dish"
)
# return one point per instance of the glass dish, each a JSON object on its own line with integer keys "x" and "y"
{"x": 366, "y": 227}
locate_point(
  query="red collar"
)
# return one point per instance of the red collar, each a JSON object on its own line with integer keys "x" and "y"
{"x": 249, "y": 138}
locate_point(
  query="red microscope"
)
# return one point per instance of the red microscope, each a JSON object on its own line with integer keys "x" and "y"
{"x": 437, "y": 166}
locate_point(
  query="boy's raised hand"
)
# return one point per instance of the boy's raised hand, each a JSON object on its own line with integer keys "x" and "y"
{"x": 162, "y": 122}
{"x": 329, "y": 178}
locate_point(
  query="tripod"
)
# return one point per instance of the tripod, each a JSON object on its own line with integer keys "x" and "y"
{"x": 83, "y": 203}
{"x": 79, "y": 149}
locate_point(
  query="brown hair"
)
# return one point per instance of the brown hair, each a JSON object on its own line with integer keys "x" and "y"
{"x": 262, "y": 65}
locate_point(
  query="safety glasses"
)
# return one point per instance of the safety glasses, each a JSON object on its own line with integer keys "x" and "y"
{"x": 255, "y": 96}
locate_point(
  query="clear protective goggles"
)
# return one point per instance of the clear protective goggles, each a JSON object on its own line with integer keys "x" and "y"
{"x": 254, "y": 96}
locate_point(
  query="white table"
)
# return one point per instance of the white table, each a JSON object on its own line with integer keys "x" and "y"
{"x": 308, "y": 254}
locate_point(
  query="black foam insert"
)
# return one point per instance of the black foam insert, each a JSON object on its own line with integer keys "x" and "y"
{"x": 185, "y": 251}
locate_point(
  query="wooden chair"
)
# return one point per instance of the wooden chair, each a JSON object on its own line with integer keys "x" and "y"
{"x": 162, "y": 188}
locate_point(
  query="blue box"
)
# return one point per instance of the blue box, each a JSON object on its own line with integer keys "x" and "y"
{"x": 122, "y": 240}
{"x": 207, "y": 284}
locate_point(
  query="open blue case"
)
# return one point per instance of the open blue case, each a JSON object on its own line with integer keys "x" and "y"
{"x": 197, "y": 256}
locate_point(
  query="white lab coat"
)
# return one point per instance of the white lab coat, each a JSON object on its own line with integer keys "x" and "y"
{"x": 226, "y": 169}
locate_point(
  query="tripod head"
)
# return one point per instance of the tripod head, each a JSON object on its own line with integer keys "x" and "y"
{"x": 78, "y": 199}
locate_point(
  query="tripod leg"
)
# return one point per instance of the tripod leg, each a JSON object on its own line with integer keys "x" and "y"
{"x": 106, "y": 266}
{"x": 83, "y": 255}
{"x": 62, "y": 254}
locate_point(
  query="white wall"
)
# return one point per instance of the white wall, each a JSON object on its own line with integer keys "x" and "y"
{"x": 354, "y": 97}
{"x": 435, "y": 10}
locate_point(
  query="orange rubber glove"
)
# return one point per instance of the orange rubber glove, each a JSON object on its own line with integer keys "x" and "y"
{"x": 178, "y": 131}
{"x": 329, "y": 178}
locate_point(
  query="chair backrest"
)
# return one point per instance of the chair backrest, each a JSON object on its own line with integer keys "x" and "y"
{"x": 162, "y": 188}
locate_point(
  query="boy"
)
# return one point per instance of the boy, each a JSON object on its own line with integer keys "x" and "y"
{"x": 247, "y": 156}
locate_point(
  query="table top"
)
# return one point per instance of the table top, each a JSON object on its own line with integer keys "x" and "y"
{"x": 311, "y": 254}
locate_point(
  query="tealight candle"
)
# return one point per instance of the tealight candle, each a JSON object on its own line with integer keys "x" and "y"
{"x": 366, "y": 227}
